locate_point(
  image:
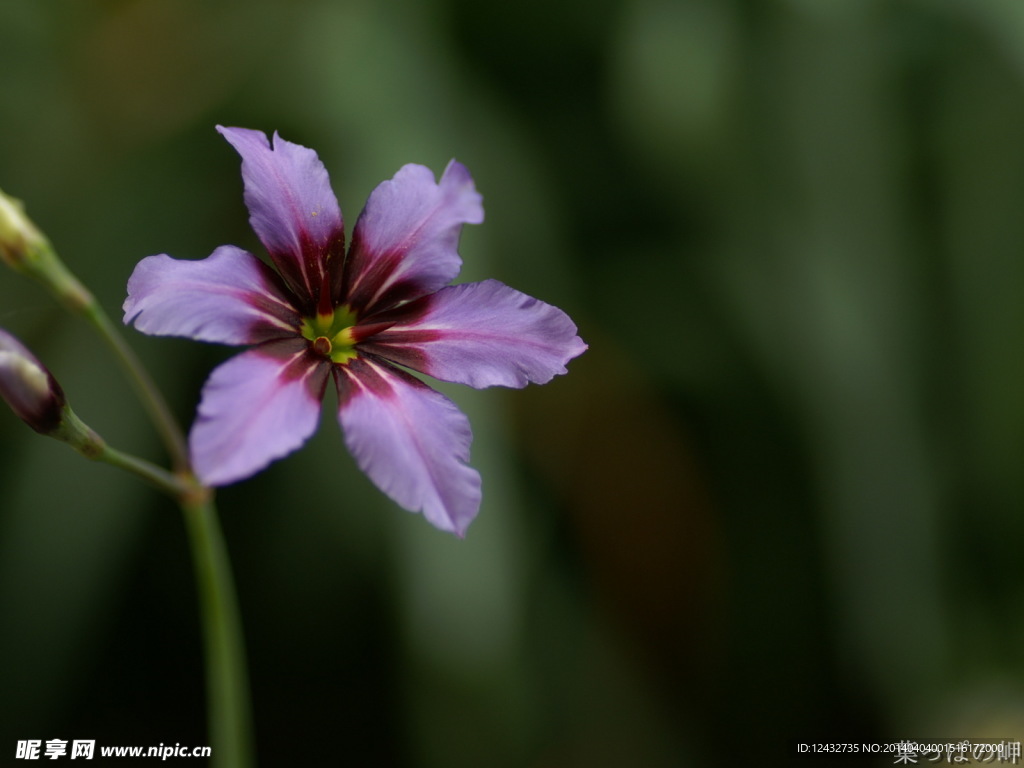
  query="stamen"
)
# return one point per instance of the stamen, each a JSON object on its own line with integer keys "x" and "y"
{"x": 322, "y": 345}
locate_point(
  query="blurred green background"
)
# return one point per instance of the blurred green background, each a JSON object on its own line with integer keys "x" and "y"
{"x": 778, "y": 500}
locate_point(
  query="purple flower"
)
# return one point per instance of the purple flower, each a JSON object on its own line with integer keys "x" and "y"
{"x": 361, "y": 318}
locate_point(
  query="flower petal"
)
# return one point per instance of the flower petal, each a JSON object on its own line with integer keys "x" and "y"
{"x": 291, "y": 208}
{"x": 480, "y": 334}
{"x": 405, "y": 243}
{"x": 413, "y": 442}
{"x": 230, "y": 297}
{"x": 257, "y": 407}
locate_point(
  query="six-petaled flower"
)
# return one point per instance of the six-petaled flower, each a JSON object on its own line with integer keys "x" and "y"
{"x": 361, "y": 317}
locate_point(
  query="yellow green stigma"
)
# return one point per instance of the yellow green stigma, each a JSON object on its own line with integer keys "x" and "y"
{"x": 331, "y": 334}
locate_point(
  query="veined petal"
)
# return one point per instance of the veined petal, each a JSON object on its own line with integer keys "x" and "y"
{"x": 413, "y": 442}
{"x": 405, "y": 243}
{"x": 257, "y": 407}
{"x": 291, "y": 208}
{"x": 230, "y": 297}
{"x": 480, "y": 334}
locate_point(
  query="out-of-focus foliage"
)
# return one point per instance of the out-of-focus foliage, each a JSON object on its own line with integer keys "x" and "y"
{"x": 780, "y": 499}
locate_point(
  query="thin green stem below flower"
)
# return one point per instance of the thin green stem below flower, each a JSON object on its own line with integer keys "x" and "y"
{"x": 227, "y": 687}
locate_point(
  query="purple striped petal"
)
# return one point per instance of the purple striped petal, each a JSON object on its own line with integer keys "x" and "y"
{"x": 257, "y": 407}
{"x": 230, "y": 297}
{"x": 413, "y": 442}
{"x": 480, "y": 334}
{"x": 291, "y": 208}
{"x": 405, "y": 243}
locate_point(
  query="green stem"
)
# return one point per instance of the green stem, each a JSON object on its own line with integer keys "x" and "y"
{"x": 156, "y": 476}
{"x": 40, "y": 261}
{"x": 80, "y": 436}
{"x": 153, "y": 401}
{"x": 160, "y": 414}
{"x": 227, "y": 687}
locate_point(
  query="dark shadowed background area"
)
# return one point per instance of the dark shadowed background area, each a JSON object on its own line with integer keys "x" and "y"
{"x": 779, "y": 499}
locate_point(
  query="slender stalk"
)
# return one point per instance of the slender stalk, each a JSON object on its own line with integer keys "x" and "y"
{"x": 26, "y": 250}
{"x": 227, "y": 688}
{"x": 150, "y": 396}
{"x": 156, "y": 476}
{"x": 72, "y": 430}
{"x": 78, "y": 299}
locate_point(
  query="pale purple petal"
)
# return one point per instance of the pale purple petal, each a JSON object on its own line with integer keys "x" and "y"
{"x": 413, "y": 442}
{"x": 257, "y": 407}
{"x": 405, "y": 243}
{"x": 291, "y": 208}
{"x": 481, "y": 334}
{"x": 230, "y": 297}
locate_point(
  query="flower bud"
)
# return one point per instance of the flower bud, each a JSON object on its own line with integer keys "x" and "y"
{"x": 28, "y": 387}
{"x": 19, "y": 238}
